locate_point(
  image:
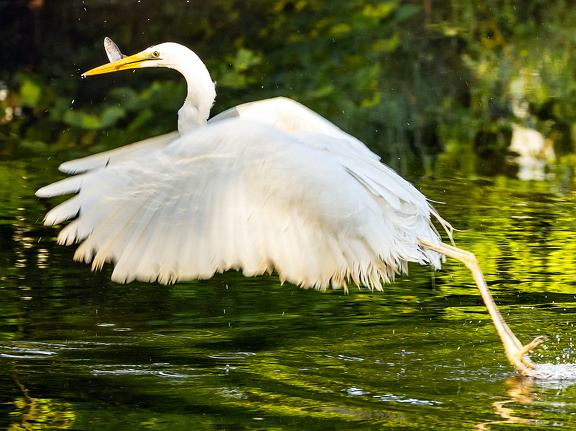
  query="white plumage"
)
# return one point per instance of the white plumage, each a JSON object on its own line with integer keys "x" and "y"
{"x": 236, "y": 194}
{"x": 265, "y": 186}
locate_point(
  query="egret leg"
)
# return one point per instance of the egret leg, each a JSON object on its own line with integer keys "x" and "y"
{"x": 515, "y": 350}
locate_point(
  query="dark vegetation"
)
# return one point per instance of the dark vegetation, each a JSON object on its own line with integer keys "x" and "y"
{"x": 413, "y": 79}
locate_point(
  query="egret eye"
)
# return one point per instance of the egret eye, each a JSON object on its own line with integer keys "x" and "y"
{"x": 155, "y": 54}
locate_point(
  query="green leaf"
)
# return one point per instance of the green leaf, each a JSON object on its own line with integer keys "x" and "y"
{"x": 33, "y": 146}
{"x": 381, "y": 10}
{"x": 406, "y": 11}
{"x": 245, "y": 59}
{"x": 30, "y": 93}
{"x": 111, "y": 115}
{"x": 339, "y": 29}
{"x": 387, "y": 45}
{"x": 81, "y": 120}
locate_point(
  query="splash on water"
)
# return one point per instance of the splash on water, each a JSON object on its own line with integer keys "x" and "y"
{"x": 555, "y": 372}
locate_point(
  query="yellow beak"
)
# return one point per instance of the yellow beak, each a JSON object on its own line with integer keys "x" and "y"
{"x": 131, "y": 62}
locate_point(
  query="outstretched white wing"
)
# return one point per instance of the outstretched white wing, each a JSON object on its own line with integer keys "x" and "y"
{"x": 239, "y": 195}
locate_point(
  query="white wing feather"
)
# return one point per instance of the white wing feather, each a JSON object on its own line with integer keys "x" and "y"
{"x": 289, "y": 116}
{"x": 117, "y": 155}
{"x": 241, "y": 195}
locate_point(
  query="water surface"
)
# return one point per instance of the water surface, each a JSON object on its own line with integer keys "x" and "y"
{"x": 80, "y": 352}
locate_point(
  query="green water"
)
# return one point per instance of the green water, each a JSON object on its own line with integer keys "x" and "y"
{"x": 82, "y": 353}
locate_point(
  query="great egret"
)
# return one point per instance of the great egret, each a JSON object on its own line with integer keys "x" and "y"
{"x": 266, "y": 186}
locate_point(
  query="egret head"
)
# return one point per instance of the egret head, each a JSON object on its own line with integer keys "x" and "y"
{"x": 168, "y": 54}
{"x": 201, "y": 90}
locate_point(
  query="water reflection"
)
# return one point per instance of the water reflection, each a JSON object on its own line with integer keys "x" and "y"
{"x": 30, "y": 412}
{"x": 524, "y": 392}
{"x": 534, "y": 153}
{"x": 520, "y": 392}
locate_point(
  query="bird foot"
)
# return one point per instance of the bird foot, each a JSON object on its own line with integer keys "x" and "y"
{"x": 521, "y": 362}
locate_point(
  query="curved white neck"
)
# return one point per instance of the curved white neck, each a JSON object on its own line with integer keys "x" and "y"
{"x": 201, "y": 92}
{"x": 196, "y": 109}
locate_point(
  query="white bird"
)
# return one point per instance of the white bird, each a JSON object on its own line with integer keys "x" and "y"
{"x": 266, "y": 186}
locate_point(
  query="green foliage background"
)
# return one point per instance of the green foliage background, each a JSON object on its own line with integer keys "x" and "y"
{"x": 412, "y": 79}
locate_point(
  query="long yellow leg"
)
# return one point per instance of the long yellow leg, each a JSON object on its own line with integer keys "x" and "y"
{"x": 515, "y": 351}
